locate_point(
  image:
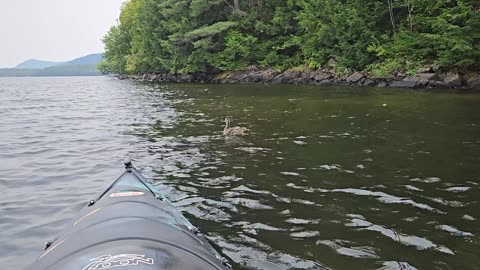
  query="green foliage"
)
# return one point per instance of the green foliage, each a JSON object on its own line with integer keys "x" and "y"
{"x": 442, "y": 34}
{"x": 209, "y": 31}
{"x": 117, "y": 47}
{"x": 238, "y": 52}
{"x": 341, "y": 30}
{"x": 382, "y": 37}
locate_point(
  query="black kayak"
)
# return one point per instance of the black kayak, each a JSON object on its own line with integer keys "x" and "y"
{"x": 129, "y": 226}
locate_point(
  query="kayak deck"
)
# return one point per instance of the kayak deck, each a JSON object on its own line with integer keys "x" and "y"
{"x": 130, "y": 225}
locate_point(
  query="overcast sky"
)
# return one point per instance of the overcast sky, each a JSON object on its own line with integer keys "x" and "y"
{"x": 55, "y": 30}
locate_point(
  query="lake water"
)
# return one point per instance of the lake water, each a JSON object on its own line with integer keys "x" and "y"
{"x": 330, "y": 177}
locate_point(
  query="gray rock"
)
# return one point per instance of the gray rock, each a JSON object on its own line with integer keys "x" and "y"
{"x": 278, "y": 79}
{"x": 422, "y": 83}
{"x": 226, "y": 81}
{"x": 429, "y": 76}
{"x": 439, "y": 84}
{"x": 322, "y": 76}
{"x": 355, "y": 77}
{"x": 300, "y": 81}
{"x": 289, "y": 76}
{"x": 305, "y": 76}
{"x": 382, "y": 84}
{"x": 238, "y": 77}
{"x": 404, "y": 84}
{"x": 252, "y": 68}
{"x": 419, "y": 81}
{"x": 411, "y": 79}
{"x": 453, "y": 79}
{"x": 326, "y": 82}
{"x": 313, "y": 74}
{"x": 253, "y": 78}
{"x": 425, "y": 70}
{"x": 369, "y": 82}
{"x": 400, "y": 76}
{"x": 361, "y": 81}
{"x": 473, "y": 81}
{"x": 269, "y": 74}
{"x": 152, "y": 77}
{"x": 186, "y": 78}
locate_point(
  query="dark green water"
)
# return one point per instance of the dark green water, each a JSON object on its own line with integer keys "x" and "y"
{"x": 337, "y": 177}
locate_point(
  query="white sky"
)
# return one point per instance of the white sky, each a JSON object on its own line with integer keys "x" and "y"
{"x": 53, "y": 30}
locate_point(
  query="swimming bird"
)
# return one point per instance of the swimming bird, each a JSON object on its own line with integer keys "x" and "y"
{"x": 233, "y": 131}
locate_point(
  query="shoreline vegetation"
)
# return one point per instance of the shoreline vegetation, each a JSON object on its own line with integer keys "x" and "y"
{"x": 398, "y": 43}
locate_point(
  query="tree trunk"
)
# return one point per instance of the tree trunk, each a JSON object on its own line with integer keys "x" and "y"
{"x": 392, "y": 18}
{"x": 410, "y": 19}
{"x": 236, "y": 4}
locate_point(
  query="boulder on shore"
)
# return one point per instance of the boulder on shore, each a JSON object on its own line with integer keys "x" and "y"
{"x": 472, "y": 80}
{"x": 321, "y": 76}
{"x": 419, "y": 81}
{"x": 439, "y": 84}
{"x": 355, "y": 77}
{"x": 382, "y": 84}
{"x": 369, "y": 82}
{"x": 429, "y": 76}
{"x": 305, "y": 76}
{"x": 453, "y": 79}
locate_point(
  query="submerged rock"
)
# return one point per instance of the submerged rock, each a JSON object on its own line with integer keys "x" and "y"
{"x": 404, "y": 84}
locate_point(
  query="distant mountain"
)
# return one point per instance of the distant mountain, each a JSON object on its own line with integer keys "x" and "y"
{"x": 69, "y": 70}
{"x": 73, "y": 70}
{"x": 91, "y": 59}
{"x": 82, "y": 66}
{"x": 36, "y": 64}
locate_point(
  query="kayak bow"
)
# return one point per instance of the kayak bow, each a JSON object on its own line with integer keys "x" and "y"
{"x": 130, "y": 226}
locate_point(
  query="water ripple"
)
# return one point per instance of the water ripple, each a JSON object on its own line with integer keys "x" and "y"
{"x": 404, "y": 239}
{"x": 279, "y": 198}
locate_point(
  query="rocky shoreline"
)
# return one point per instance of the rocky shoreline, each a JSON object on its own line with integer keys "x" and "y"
{"x": 422, "y": 80}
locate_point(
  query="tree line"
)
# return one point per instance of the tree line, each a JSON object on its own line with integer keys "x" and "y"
{"x": 381, "y": 37}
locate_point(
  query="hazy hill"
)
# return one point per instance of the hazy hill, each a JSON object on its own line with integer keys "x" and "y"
{"x": 36, "y": 64}
{"x": 91, "y": 59}
{"x": 82, "y": 66}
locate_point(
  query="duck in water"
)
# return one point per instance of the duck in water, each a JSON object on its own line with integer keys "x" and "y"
{"x": 233, "y": 131}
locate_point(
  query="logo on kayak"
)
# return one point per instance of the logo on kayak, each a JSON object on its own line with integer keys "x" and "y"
{"x": 126, "y": 194}
{"x": 110, "y": 261}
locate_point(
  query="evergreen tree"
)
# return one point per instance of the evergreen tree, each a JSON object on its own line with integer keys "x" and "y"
{"x": 179, "y": 36}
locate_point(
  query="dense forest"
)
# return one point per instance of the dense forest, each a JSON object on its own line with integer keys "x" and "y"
{"x": 379, "y": 37}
